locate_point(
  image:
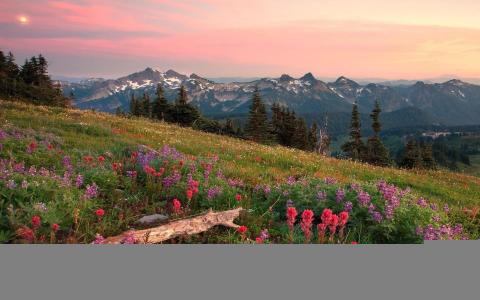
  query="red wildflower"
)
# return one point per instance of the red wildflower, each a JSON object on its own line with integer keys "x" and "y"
{"x": 354, "y": 243}
{"x": 32, "y": 146}
{"x": 321, "y": 228}
{"x": 306, "y": 224}
{"x": 189, "y": 194}
{"x": 181, "y": 163}
{"x": 177, "y": 206}
{"x": 101, "y": 159}
{"x": 238, "y": 197}
{"x": 343, "y": 218}
{"x": 326, "y": 215}
{"x": 242, "y": 229}
{"x": 88, "y": 159}
{"x": 333, "y": 224}
{"x": 259, "y": 240}
{"x": 134, "y": 156}
{"x": 55, "y": 227}
{"x": 100, "y": 212}
{"x": 116, "y": 166}
{"x": 149, "y": 170}
{"x": 26, "y": 233}
{"x": 36, "y": 221}
{"x": 49, "y": 146}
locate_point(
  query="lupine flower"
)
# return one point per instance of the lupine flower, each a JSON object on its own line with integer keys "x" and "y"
{"x": 91, "y": 191}
{"x": 264, "y": 234}
{"x": 348, "y": 206}
{"x": 79, "y": 181}
{"x": 99, "y": 213}
{"x": 98, "y": 239}
{"x": 364, "y": 198}
{"x": 213, "y": 192}
{"x": 321, "y": 195}
{"x": 177, "y": 206}
{"x": 436, "y": 218}
{"x": 330, "y": 180}
{"x": 238, "y": 197}
{"x": 422, "y": 202}
{"x": 289, "y": 203}
{"x": 446, "y": 209}
{"x": 11, "y": 184}
{"x": 306, "y": 224}
{"x": 36, "y": 221}
{"x": 132, "y": 174}
{"x": 434, "y": 206}
{"x": 377, "y": 216}
{"x": 340, "y": 195}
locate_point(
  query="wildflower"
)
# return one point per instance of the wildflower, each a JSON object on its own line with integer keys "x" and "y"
{"x": 340, "y": 195}
{"x": 91, "y": 191}
{"x": 343, "y": 218}
{"x": 321, "y": 195}
{"x": 242, "y": 229}
{"x": 330, "y": 180}
{"x": 259, "y": 240}
{"x": 422, "y": 202}
{"x": 79, "y": 181}
{"x": 377, "y": 216}
{"x": 364, "y": 198}
{"x": 98, "y": 239}
{"x": 291, "y": 216}
{"x": 24, "y": 184}
{"x": 177, "y": 206}
{"x": 36, "y": 221}
{"x": 238, "y": 197}
{"x": 348, "y": 206}
{"x": 436, "y": 218}
{"x": 189, "y": 194}
{"x": 291, "y": 180}
{"x": 50, "y": 147}
{"x": 40, "y": 206}
{"x": 289, "y": 203}
{"x": 26, "y": 233}
{"x": 326, "y": 215}
{"x": 132, "y": 174}
{"x": 100, "y": 213}
{"x": 354, "y": 243}
{"x": 306, "y": 224}
{"x": 88, "y": 159}
{"x": 32, "y": 147}
{"x": 116, "y": 166}
{"x": 446, "y": 209}
{"x": 11, "y": 184}
{"x": 213, "y": 192}
{"x": 264, "y": 234}
{"x": 433, "y": 206}
{"x": 101, "y": 159}
{"x": 129, "y": 238}
{"x": 55, "y": 227}
{"x": 321, "y": 228}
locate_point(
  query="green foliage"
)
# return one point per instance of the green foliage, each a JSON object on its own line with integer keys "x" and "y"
{"x": 354, "y": 148}
{"x": 257, "y": 128}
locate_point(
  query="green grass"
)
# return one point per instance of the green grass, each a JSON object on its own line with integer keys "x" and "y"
{"x": 86, "y": 131}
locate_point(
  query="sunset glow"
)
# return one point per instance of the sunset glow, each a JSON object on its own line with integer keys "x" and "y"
{"x": 371, "y": 38}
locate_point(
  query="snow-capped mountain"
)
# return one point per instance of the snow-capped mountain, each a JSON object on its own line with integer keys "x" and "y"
{"x": 452, "y": 103}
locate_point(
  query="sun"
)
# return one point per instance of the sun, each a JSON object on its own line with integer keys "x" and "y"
{"x": 23, "y": 20}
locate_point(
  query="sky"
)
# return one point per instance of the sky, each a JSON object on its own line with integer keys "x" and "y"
{"x": 404, "y": 39}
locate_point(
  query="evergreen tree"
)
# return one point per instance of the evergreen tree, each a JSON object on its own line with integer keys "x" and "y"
{"x": 313, "y": 137}
{"x": 412, "y": 158}
{"x": 300, "y": 138}
{"x": 3, "y": 65}
{"x": 145, "y": 106}
{"x": 133, "y": 106}
{"x": 257, "y": 128}
{"x": 229, "y": 128}
{"x": 377, "y": 153}
{"x": 354, "y": 148}
{"x": 427, "y": 156}
{"x": 160, "y": 107}
{"x": 182, "y": 112}
{"x": 11, "y": 67}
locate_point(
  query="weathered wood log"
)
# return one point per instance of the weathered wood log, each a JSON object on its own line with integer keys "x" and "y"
{"x": 176, "y": 228}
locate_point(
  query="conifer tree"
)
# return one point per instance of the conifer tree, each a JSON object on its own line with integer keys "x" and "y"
{"x": 412, "y": 158}
{"x": 146, "y": 106}
{"x": 257, "y": 128}
{"x": 182, "y": 112}
{"x": 133, "y": 106}
{"x": 160, "y": 107}
{"x": 354, "y": 148}
{"x": 182, "y": 96}
{"x": 229, "y": 128}
{"x": 427, "y": 156}
{"x": 313, "y": 137}
{"x": 300, "y": 138}
{"x": 377, "y": 153}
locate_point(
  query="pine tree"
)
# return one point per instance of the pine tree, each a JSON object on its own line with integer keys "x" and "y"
{"x": 146, "y": 106}
{"x": 11, "y": 67}
{"x": 428, "y": 161}
{"x": 133, "y": 106}
{"x": 354, "y": 148}
{"x": 300, "y": 138}
{"x": 229, "y": 128}
{"x": 313, "y": 137}
{"x": 377, "y": 153}
{"x": 3, "y": 65}
{"x": 160, "y": 107}
{"x": 182, "y": 112}
{"x": 182, "y": 96}
{"x": 412, "y": 158}
{"x": 257, "y": 128}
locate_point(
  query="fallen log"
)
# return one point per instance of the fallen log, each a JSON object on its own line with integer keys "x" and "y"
{"x": 176, "y": 228}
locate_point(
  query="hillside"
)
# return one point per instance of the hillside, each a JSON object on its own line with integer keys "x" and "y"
{"x": 85, "y": 133}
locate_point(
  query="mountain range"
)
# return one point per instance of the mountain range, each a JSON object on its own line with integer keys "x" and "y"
{"x": 451, "y": 103}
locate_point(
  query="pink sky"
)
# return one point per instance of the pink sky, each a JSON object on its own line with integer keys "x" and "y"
{"x": 371, "y": 38}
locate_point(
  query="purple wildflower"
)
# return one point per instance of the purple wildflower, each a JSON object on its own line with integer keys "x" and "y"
{"x": 129, "y": 238}
{"x": 330, "y": 180}
{"x": 422, "y": 202}
{"x": 348, "y": 206}
{"x": 340, "y": 195}
{"x": 91, "y": 191}
{"x": 290, "y": 203}
{"x": 321, "y": 195}
{"x": 291, "y": 180}
{"x": 446, "y": 209}
{"x": 79, "y": 181}
{"x": 11, "y": 184}
{"x": 98, "y": 240}
{"x": 364, "y": 198}
{"x": 24, "y": 184}
{"x": 213, "y": 192}
{"x": 377, "y": 216}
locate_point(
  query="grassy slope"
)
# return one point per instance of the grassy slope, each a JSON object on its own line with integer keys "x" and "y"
{"x": 253, "y": 163}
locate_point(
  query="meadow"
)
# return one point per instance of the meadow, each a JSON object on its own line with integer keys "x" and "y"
{"x": 71, "y": 176}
